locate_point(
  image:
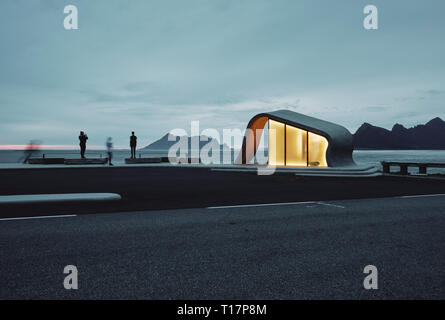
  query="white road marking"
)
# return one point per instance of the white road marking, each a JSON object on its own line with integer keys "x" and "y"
{"x": 39, "y": 217}
{"x": 330, "y": 205}
{"x": 423, "y": 195}
{"x": 262, "y": 205}
{"x": 319, "y": 203}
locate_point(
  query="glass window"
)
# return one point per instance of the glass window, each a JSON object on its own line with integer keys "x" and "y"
{"x": 317, "y": 150}
{"x": 296, "y": 146}
{"x": 276, "y": 143}
{"x": 292, "y": 146}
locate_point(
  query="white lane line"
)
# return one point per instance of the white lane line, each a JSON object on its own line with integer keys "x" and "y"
{"x": 330, "y": 205}
{"x": 423, "y": 196}
{"x": 262, "y": 205}
{"x": 321, "y": 203}
{"x": 39, "y": 217}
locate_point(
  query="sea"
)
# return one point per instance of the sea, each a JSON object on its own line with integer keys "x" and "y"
{"x": 361, "y": 157}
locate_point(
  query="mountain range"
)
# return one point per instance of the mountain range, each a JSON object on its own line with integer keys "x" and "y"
{"x": 425, "y": 136}
{"x": 165, "y": 143}
{"x": 429, "y": 136}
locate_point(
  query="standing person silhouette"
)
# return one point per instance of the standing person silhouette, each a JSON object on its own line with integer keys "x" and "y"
{"x": 83, "y": 144}
{"x": 133, "y": 143}
{"x": 109, "y": 145}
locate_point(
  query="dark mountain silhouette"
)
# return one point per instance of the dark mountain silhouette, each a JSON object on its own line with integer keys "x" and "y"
{"x": 165, "y": 144}
{"x": 425, "y": 136}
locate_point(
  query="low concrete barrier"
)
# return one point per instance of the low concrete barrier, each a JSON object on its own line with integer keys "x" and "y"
{"x": 86, "y": 161}
{"x": 46, "y": 161}
{"x": 182, "y": 160}
{"x": 38, "y": 198}
{"x": 142, "y": 160}
{"x": 162, "y": 160}
{"x": 68, "y": 161}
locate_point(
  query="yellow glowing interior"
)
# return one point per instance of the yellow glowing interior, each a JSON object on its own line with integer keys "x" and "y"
{"x": 291, "y": 146}
{"x": 317, "y": 150}
{"x": 296, "y": 146}
{"x": 276, "y": 143}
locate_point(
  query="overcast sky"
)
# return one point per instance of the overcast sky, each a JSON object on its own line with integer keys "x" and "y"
{"x": 152, "y": 66}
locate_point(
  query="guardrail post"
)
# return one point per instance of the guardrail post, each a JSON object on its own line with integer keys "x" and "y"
{"x": 403, "y": 169}
{"x": 422, "y": 169}
{"x": 386, "y": 168}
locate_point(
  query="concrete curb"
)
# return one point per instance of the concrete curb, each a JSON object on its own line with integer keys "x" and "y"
{"x": 50, "y": 198}
{"x": 353, "y": 172}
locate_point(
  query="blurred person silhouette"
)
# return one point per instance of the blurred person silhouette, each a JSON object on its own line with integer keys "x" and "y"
{"x": 109, "y": 145}
{"x": 133, "y": 143}
{"x": 31, "y": 149}
{"x": 83, "y": 144}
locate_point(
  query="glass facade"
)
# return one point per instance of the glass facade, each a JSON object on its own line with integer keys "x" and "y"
{"x": 291, "y": 146}
{"x": 317, "y": 150}
{"x": 296, "y": 146}
{"x": 276, "y": 143}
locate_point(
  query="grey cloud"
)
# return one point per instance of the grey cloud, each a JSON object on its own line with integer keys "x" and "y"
{"x": 435, "y": 92}
{"x": 156, "y": 65}
{"x": 376, "y": 108}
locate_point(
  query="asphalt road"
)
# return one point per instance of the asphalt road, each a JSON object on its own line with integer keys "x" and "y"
{"x": 310, "y": 250}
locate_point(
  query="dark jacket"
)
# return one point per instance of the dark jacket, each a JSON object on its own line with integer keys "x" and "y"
{"x": 133, "y": 141}
{"x": 83, "y": 139}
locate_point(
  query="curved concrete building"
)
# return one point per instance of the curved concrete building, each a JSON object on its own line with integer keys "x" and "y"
{"x": 295, "y": 139}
